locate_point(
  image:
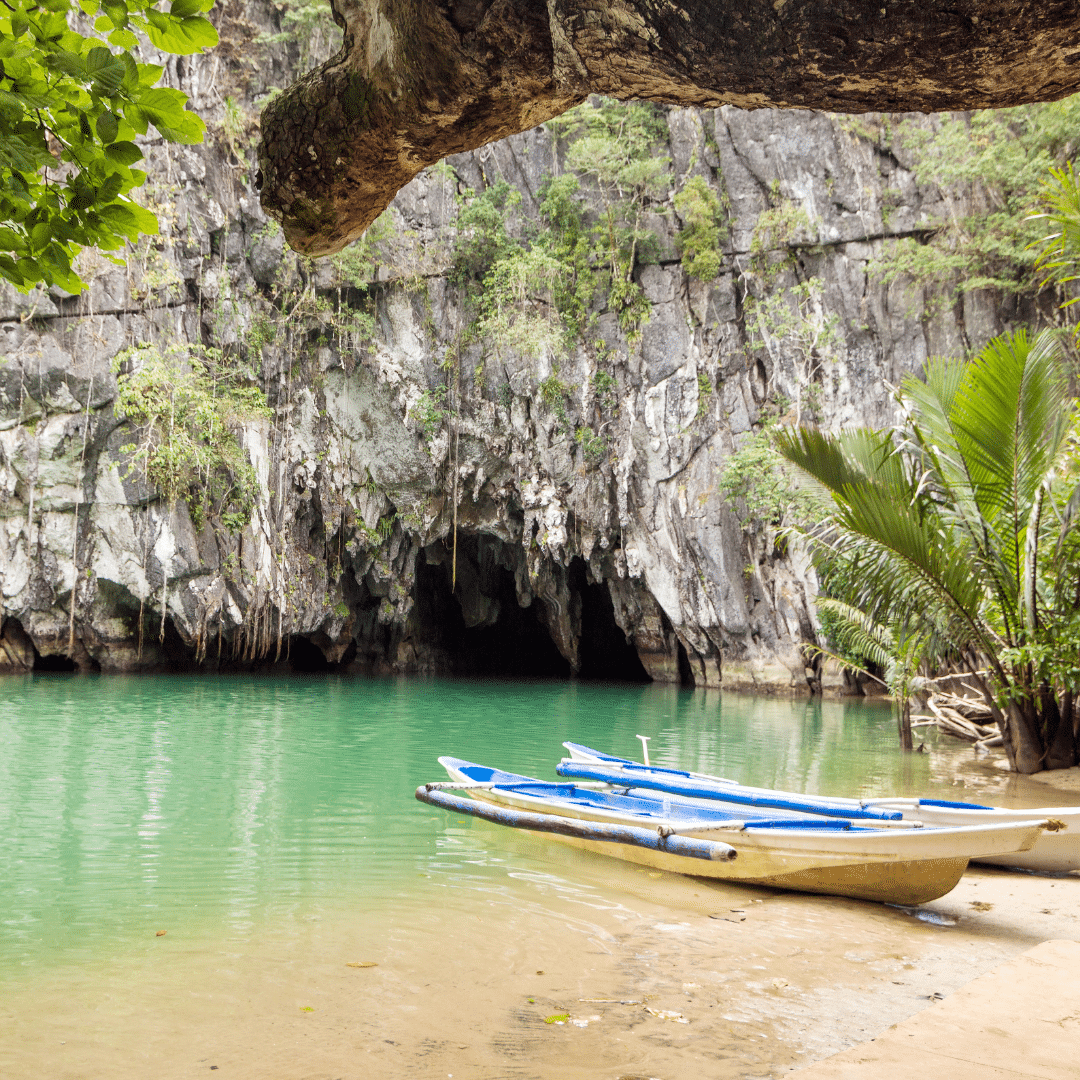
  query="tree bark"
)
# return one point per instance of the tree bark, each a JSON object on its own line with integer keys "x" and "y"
{"x": 1061, "y": 751}
{"x": 1028, "y": 752}
{"x": 418, "y": 80}
{"x": 904, "y": 723}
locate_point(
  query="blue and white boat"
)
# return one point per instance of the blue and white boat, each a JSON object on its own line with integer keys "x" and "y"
{"x": 781, "y": 847}
{"x": 1057, "y": 848}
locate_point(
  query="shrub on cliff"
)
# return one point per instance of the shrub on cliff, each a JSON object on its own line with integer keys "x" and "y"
{"x": 188, "y": 406}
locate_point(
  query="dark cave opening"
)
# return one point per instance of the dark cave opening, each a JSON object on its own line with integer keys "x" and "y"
{"x": 515, "y": 645}
{"x": 54, "y": 663}
{"x": 305, "y": 657}
{"x": 604, "y": 651}
{"x": 686, "y": 672}
{"x": 504, "y": 639}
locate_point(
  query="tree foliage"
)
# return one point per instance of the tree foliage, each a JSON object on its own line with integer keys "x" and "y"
{"x": 533, "y": 286}
{"x": 1059, "y": 250}
{"x": 73, "y": 100}
{"x": 959, "y": 527}
{"x": 758, "y": 483}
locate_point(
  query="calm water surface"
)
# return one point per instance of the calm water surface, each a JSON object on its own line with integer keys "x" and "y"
{"x": 242, "y": 807}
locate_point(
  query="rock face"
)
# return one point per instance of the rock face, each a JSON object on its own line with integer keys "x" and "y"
{"x": 426, "y": 500}
{"x": 416, "y": 82}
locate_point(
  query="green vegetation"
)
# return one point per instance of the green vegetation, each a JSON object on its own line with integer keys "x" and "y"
{"x": 958, "y": 528}
{"x": 593, "y": 445}
{"x": 606, "y": 388}
{"x": 430, "y": 411}
{"x": 532, "y": 288}
{"x": 310, "y": 25}
{"x": 1059, "y": 250}
{"x": 699, "y": 207}
{"x": 615, "y": 144}
{"x": 483, "y": 239}
{"x": 704, "y": 394}
{"x": 71, "y": 106}
{"x": 990, "y": 167}
{"x": 188, "y": 405}
{"x": 898, "y": 650}
{"x": 777, "y": 231}
{"x": 756, "y": 481}
{"x": 555, "y": 394}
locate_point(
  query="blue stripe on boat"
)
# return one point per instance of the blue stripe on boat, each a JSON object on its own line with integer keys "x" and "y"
{"x": 699, "y": 789}
{"x": 953, "y": 805}
{"x": 812, "y": 804}
{"x": 640, "y": 805}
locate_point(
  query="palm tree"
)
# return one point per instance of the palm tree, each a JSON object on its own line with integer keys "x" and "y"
{"x": 957, "y": 525}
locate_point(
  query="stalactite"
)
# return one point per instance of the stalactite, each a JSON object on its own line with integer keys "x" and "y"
{"x": 75, "y": 538}
{"x": 457, "y": 438}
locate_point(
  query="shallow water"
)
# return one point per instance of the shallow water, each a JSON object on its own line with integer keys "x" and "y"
{"x": 269, "y": 828}
{"x": 240, "y": 805}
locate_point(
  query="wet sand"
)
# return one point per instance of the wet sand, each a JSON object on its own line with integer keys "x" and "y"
{"x": 657, "y": 976}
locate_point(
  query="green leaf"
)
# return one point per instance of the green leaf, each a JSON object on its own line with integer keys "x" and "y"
{"x": 123, "y": 39}
{"x": 68, "y": 63}
{"x": 107, "y": 126}
{"x": 183, "y": 8}
{"x": 130, "y": 219}
{"x": 68, "y": 280}
{"x": 164, "y": 108}
{"x": 40, "y": 235}
{"x": 123, "y": 153}
{"x": 10, "y": 240}
{"x": 180, "y": 36}
{"x": 149, "y": 74}
{"x": 117, "y": 13}
{"x": 105, "y": 70}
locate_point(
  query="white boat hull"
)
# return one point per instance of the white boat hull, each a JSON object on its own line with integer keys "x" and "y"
{"x": 899, "y": 866}
{"x": 1052, "y": 852}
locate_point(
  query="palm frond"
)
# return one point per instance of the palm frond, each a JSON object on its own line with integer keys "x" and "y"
{"x": 858, "y": 632}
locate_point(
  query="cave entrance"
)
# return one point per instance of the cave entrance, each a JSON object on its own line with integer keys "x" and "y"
{"x": 603, "y": 649}
{"x": 305, "y": 657}
{"x": 54, "y": 663}
{"x": 511, "y": 642}
{"x": 686, "y": 672}
{"x": 481, "y": 631}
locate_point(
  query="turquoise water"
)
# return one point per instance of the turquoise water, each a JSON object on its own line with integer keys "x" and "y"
{"x": 243, "y": 807}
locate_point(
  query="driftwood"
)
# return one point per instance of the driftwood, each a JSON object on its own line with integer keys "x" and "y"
{"x": 963, "y": 718}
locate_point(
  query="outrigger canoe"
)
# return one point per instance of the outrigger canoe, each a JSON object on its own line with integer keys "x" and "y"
{"x": 1057, "y": 849}
{"x": 783, "y": 849}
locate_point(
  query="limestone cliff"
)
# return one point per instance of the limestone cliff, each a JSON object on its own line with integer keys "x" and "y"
{"x": 592, "y": 535}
